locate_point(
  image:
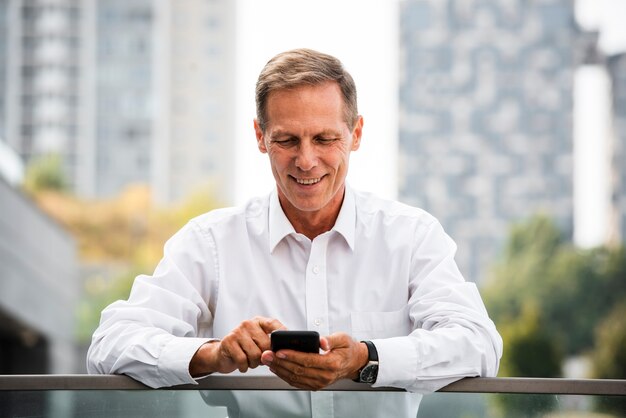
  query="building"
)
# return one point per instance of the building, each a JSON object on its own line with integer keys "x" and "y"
{"x": 39, "y": 90}
{"x": 125, "y": 91}
{"x": 39, "y": 290}
{"x": 616, "y": 65}
{"x": 486, "y": 117}
{"x": 195, "y": 99}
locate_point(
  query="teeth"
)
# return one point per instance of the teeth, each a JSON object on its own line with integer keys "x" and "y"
{"x": 308, "y": 181}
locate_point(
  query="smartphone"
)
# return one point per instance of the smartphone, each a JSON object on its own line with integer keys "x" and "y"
{"x": 306, "y": 341}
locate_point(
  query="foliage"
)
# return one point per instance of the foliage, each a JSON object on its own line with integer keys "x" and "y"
{"x": 573, "y": 289}
{"x": 45, "y": 173}
{"x": 122, "y": 237}
{"x": 609, "y": 356}
{"x": 529, "y": 351}
{"x": 526, "y": 342}
{"x": 548, "y": 298}
{"x": 100, "y": 290}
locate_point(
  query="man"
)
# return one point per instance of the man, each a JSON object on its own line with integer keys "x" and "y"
{"x": 376, "y": 278}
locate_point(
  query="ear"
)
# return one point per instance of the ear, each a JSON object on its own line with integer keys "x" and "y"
{"x": 260, "y": 141}
{"x": 356, "y": 134}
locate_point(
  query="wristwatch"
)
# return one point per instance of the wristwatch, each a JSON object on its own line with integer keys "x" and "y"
{"x": 369, "y": 372}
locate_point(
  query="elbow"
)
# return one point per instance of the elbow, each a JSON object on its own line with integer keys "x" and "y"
{"x": 492, "y": 355}
{"x": 94, "y": 360}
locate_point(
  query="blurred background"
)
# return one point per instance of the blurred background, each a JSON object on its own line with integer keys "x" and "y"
{"x": 120, "y": 120}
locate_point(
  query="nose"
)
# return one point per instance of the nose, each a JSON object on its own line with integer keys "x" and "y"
{"x": 306, "y": 158}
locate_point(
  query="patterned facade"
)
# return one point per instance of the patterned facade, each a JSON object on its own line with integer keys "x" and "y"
{"x": 485, "y": 117}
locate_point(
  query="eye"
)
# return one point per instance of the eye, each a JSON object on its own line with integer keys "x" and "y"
{"x": 286, "y": 142}
{"x": 325, "y": 140}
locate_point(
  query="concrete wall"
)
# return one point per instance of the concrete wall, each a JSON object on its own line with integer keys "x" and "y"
{"x": 39, "y": 287}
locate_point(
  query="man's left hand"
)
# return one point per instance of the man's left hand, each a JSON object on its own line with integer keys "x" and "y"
{"x": 342, "y": 358}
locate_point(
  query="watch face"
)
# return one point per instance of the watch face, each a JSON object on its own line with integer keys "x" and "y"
{"x": 369, "y": 373}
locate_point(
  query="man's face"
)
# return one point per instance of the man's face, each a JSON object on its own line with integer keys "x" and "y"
{"x": 309, "y": 145}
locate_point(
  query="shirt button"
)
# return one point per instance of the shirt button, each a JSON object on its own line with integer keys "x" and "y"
{"x": 317, "y": 322}
{"x": 316, "y": 269}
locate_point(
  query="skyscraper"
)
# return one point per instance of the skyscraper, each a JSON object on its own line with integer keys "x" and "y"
{"x": 485, "y": 117}
{"x": 194, "y": 98}
{"x": 39, "y": 61}
{"x": 617, "y": 69}
{"x": 125, "y": 91}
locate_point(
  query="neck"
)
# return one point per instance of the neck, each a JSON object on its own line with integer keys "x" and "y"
{"x": 313, "y": 223}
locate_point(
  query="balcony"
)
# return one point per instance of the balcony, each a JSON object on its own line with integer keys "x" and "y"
{"x": 51, "y": 396}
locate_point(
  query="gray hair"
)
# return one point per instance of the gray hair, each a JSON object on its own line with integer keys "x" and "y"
{"x": 304, "y": 67}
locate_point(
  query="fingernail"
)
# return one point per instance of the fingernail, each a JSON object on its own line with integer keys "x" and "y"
{"x": 281, "y": 355}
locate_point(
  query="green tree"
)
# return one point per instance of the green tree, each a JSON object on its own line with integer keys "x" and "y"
{"x": 527, "y": 341}
{"x": 609, "y": 355}
{"x": 573, "y": 289}
{"x": 547, "y": 299}
{"x": 45, "y": 173}
{"x": 529, "y": 351}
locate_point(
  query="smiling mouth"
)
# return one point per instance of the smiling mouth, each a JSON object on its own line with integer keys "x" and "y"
{"x": 308, "y": 182}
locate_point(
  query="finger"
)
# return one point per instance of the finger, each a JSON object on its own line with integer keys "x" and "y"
{"x": 338, "y": 340}
{"x": 325, "y": 344}
{"x": 252, "y": 331}
{"x": 270, "y": 324}
{"x": 232, "y": 351}
{"x": 296, "y": 361}
{"x": 252, "y": 351}
{"x": 303, "y": 378}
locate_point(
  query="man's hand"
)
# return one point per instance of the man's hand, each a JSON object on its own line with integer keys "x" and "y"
{"x": 240, "y": 350}
{"x": 343, "y": 357}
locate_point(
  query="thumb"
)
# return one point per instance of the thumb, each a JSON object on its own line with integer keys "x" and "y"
{"x": 335, "y": 341}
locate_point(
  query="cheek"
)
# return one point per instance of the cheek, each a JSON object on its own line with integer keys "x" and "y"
{"x": 278, "y": 159}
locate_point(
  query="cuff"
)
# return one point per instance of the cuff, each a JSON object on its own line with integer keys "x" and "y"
{"x": 397, "y": 362}
{"x": 173, "y": 364}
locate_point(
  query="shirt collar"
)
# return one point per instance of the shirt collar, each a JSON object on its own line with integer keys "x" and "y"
{"x": 280, "y": 227}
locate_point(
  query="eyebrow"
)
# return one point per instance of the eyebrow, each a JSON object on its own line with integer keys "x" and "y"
{"x": 281, "y": 133}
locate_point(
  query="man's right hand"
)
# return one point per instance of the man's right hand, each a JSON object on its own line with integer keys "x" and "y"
{"x": 240, "y": 350}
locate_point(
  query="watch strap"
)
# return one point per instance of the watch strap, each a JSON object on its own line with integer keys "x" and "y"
{"x": 372, "y": 353}
{"x": 371, "y": 366}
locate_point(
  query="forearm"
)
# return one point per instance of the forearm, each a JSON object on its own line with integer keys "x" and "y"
{"x": 150, "y": 355}
{"x": 427, "y": 360}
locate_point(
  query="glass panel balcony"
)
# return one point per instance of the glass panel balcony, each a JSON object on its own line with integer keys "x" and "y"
{"x": 65, "y": 396}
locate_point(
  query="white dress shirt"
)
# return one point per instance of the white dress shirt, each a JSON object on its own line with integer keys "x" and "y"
{"x": 385, "y": 272}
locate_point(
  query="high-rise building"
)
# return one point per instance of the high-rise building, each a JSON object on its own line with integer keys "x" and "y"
{"x": 4, "y": 34}
{"x": 194, "y": 98}
{"x": 118, "y": 88}
{"x": 486, "y": 117}
{"x": 125, "y": 91}
{"x": 617, "y": 69}
{"x": 39, "y": 62}
{"x": 162, "y": 87}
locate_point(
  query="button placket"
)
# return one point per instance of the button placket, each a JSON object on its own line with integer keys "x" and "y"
{"x": 316, "y": 286}
{"x": 317, "y": 312}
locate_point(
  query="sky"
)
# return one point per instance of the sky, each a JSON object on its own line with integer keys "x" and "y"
{"x": 607, "y": 16}
{"x": 364, "y": 35}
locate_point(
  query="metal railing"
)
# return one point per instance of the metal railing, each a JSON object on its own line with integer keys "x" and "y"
{"x": 605, "y": 387}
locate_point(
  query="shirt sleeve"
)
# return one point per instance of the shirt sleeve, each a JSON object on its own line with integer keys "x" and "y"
{"x": 153, "y": 335}
{"x": 453, "y": 336}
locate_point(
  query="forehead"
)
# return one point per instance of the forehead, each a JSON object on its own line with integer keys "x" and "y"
{"x": 306, "y": 104}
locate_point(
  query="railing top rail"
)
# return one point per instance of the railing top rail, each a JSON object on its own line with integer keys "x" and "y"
{"x": 467, "y": 385}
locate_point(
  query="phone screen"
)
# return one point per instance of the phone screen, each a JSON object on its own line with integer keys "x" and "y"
{"x": 306, "y": 341}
